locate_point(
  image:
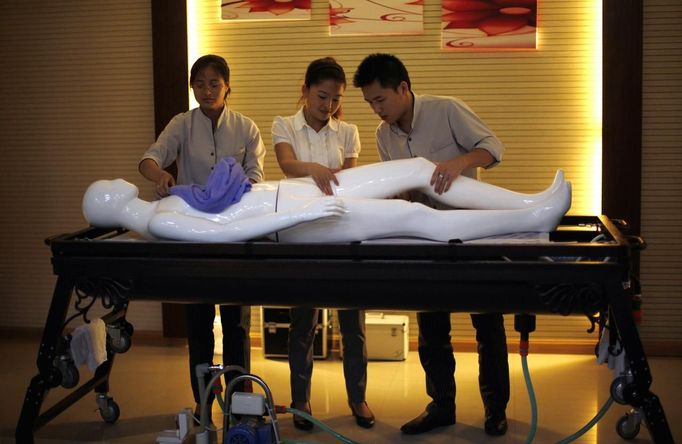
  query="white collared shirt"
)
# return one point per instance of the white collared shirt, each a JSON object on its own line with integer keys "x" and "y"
{"x": 190, "y": 139}
{"x": 334, "y": 143}
{"x": 442, "y": 128}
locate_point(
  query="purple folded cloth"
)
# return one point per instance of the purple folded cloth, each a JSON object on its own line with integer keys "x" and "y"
{"x": 225, "y": 186}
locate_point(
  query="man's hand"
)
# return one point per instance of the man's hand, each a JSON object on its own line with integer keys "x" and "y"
{"x": 446, "y": 172}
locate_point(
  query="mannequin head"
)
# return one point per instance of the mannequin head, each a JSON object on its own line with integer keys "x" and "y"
{"x": 105, "y": 201}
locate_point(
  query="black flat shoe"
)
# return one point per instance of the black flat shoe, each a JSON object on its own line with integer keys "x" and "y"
{"x": 300, "y": 422}
{"x": 427, "y": 421}
{"x": 366, "y": 422}
{"x": 496, "y": 424}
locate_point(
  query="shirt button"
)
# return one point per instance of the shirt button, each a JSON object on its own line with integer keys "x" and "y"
{"x": 211, "y": 154}
{"x": 409, "y": 139}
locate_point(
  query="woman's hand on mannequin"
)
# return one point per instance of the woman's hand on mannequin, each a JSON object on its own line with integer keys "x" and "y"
{"x": 163, "y": 183}
{"x": 162, "y": 178}
{"x": 323, "y": 177}
{"x": 292, "y": 167}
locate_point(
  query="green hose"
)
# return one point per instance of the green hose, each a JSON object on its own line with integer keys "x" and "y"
{"x": 533, "y": 401}
{"x": 534, "y": 411}
{"x": 321, "y": 425}
{"x": 590, "y": 424}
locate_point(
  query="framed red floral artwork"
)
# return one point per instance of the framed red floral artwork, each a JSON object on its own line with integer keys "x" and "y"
{"x": 489, "y": 24}
{"x": 376, "y": 17}
{"x": 265, "y": 10}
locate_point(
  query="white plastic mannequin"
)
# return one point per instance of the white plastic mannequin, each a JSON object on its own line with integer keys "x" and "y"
{"x": 298, "y": 211}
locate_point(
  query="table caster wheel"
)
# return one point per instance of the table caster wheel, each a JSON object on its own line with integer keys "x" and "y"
{"x": 70, "y": 376}
{"x": 628, "y": 427}
{"x": 618, "y": 388}
{"x": 110, "y": 411}
{"x": 121, "y": 344}
{"x": 69, "y": 373}
{"x": 128, "y": 328}
{"x": 119, "y": 336}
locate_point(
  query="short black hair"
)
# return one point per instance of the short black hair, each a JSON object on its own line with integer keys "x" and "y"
{"x": 387, "y": 69}
{"x": 215, "y": 61}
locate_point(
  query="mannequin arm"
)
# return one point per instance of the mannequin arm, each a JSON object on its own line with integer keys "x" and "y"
{"x": 172, "y": 225}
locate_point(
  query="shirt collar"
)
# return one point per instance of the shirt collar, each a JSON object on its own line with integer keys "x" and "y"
{"x": 300, "y": 122}
{"x": 221, "y": 119}
{"x": 416, "y": 108}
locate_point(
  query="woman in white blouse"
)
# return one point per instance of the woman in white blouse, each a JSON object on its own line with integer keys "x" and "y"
{"x": 316, "y": 142}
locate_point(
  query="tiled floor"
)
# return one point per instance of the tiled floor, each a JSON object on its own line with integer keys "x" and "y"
{"x": 150, "y": 385}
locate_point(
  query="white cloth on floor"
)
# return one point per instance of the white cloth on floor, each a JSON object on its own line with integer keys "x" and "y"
{"x": 89, "y": 344}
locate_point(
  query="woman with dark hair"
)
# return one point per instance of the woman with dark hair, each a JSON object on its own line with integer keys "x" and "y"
{"x": 315, "y": 142}
{"x": 197, "y": 140}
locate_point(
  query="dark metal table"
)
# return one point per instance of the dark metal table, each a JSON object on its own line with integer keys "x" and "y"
{"x": 567, "y": 275}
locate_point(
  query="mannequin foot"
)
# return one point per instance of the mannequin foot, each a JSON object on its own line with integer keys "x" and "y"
{"x": 553, "y": 208}
{"x": 300, "y": 422}
{"x": 363, "y": 415}
{"x": 556, "y": 186}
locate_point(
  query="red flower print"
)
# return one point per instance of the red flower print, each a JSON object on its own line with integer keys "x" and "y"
{"x": 277, "y": 7}
{"x": 337, "y": 17}
{"x": 493, "y": 17}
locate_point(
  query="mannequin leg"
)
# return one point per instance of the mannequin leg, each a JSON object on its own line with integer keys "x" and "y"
{"x": 387, "y": 179}
{"x": 384, "y": 218}
{"x": 468, "y": 193}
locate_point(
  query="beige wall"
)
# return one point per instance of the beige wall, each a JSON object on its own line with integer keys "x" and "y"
{"x": 661, "y": 272}
{"x": 77, "y": 105}
{"x": 76, "y": 88}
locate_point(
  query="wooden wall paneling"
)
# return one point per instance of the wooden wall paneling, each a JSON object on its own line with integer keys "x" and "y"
{"x": 169, "y": 40}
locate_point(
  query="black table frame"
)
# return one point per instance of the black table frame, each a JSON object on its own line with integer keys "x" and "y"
{"x": 498, "y": 277}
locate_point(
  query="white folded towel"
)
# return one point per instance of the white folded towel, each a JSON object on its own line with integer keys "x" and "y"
{"x": 89, "y": 344}
{"x": 615, "y": 362}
